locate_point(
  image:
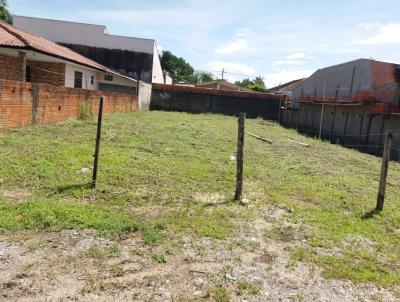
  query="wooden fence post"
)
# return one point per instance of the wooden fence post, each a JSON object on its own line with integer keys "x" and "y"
{"x": 384, "y": 170}
{"x": 98, "y": 138}
{"x": 239, "y": 157}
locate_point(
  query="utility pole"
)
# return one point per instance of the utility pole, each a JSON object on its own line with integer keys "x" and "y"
{"x": 223, "y": 72}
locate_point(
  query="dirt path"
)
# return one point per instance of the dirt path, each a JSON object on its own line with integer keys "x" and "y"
{"x": 77, "y": 266}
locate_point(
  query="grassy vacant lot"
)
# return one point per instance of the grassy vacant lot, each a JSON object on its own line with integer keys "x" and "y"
{"x": 167, "y": 175}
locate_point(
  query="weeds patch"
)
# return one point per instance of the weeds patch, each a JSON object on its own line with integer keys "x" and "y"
{"x": 64, "y": 215}
{"x": 245, "y": 287}
{"x": 156, "y": 170}
{"x": 220, "y": 294}
{"x": 152, "y": 236}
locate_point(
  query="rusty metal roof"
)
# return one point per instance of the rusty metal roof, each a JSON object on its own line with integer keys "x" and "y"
{"x": 16, "y": 38}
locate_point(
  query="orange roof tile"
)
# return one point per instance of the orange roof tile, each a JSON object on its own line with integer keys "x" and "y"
{"x": 16, "y": 38}
{"x": 8, "y": 39}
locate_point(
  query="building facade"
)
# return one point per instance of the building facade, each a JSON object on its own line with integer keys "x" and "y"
{"x": 362, "y": 80}
{"x": 27, "y": 58}
{"x": 136, "y": 58}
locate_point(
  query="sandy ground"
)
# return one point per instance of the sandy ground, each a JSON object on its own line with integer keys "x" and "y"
{"x": 69, "y": 266}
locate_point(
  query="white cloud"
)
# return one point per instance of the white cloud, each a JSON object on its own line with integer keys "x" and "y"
{"x": 285, "y": 75}
{"x": 232, "y": 67}
{"x": 238, "y": 44}
{"x": 386, "y": 34}
{"x": 368, "y": 26}
{"x": 287, "y": 62}
{"x": 296, "y": 56}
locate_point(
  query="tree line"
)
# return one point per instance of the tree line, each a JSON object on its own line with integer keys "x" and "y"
{"x": 182, "y": 72}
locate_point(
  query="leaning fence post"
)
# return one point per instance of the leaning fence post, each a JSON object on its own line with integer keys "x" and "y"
{"x": 239, "y": 157}
{"x": 384, "y": 170}
{"x": 98, "y": 137}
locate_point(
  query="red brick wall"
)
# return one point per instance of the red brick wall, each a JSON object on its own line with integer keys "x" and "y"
{"x": 23, "y": 104}
{"x": 384, "y": 83}
{"x": 47, "y": 73}
{"x": 383, "y": 73}
{"x": 10, "y": 68}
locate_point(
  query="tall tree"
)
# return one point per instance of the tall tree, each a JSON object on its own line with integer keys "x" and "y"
{"x": 5, "y": 15}
{"x": 178, "y": 68}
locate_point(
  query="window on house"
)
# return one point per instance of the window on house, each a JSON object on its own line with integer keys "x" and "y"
{"x": 78, "y": 79}
{"x": 28, "y": 74}
{"x": 108, "y": 77}
{"x": 92, "y": 80}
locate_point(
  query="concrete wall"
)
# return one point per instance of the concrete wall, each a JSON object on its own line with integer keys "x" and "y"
{"x": 23, "y": 104}
{"x": 351, "y": 126}
{"x": 202, "y": 100}
{"x": 144, "y": 96}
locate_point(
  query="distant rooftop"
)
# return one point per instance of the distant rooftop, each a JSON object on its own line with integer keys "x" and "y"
{"x": 289, "y": 86}
{"x": 68, "y": 32}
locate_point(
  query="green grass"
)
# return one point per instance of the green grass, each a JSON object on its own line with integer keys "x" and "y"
{"x": 57, "y": 215}
{"x": 158, "y": 168}
{"x": 152, "y": 236}
{"x": 160, "y": 259}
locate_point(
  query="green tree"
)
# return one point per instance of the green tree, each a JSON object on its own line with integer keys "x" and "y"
{"x": 178, "y": 68}
{"x": 257, "y": 84}
{"x": 244, "y": 83}
{"x": 201, "y": 77}
{"x": 5, "y": 15}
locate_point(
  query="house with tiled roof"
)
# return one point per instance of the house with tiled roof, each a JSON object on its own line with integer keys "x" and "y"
{"x": 286, "y": 88}
{"x": 29, "y": 58}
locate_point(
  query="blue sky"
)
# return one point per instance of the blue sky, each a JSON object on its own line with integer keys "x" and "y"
{"x": 280, "y": 40}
